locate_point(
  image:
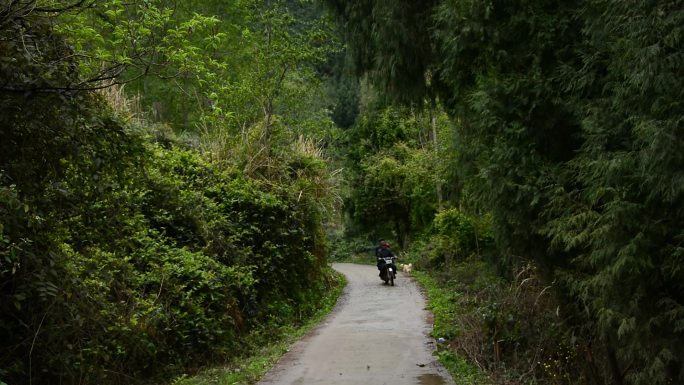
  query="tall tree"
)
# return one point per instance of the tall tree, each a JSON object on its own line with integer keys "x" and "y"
{"x": 391, "y": 164}
{"x": 563, "y": 112}
{"x": 622, "y": 217}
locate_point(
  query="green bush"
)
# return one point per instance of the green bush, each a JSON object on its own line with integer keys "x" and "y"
{"x": 456, "y": 236}
{"x": 145, "y": 266}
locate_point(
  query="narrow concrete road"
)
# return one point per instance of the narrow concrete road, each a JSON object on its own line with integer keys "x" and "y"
{"x": 377, "y": 334}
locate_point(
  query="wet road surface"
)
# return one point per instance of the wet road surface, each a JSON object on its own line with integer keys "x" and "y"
{"x": 377, "y": 334}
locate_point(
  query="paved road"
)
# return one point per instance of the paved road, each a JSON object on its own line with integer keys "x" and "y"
{"x": 377, "y": 334}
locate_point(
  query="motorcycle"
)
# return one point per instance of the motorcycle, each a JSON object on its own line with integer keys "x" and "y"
{"x": 388, "y": 271}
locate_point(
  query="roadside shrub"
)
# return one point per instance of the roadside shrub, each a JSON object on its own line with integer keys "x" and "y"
{"x": 514, "y": 330}
{"x": 139, "y": 268}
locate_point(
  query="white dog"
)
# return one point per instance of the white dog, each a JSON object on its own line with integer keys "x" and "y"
{"x": 407, "y": 268}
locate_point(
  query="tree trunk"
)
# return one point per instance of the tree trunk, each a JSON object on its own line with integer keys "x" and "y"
{"x": 438, "y": 183}
{"x": 618, "y": 376}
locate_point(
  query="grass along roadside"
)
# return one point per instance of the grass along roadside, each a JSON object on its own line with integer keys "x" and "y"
{"x": 249, "y": 370}
{"x": 442, "y": 302}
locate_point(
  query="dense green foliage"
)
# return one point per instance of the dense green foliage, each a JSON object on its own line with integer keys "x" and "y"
{"x": 125, "y": 255}
{"x": 568, "y": 131}
{"x": 536, "y": 149}
{"x": 390, "y": 161}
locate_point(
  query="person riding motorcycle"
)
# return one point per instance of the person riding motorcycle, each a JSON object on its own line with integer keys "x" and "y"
{"x": 381, "y": 252}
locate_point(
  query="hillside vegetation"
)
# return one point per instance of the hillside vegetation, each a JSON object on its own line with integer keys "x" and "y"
{"x": 131, "y": 249}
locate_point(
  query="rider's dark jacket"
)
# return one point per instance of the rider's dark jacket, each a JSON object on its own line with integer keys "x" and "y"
{"x": 380, "y": 253}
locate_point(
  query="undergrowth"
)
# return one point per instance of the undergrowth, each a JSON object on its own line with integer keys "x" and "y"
{"x": 445, "y": 307}
{"x": 263, "y": 350}
{"x": 495, "y": 331}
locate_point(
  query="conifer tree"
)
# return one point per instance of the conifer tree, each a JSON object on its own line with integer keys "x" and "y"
{"x": 569, "y": 129}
